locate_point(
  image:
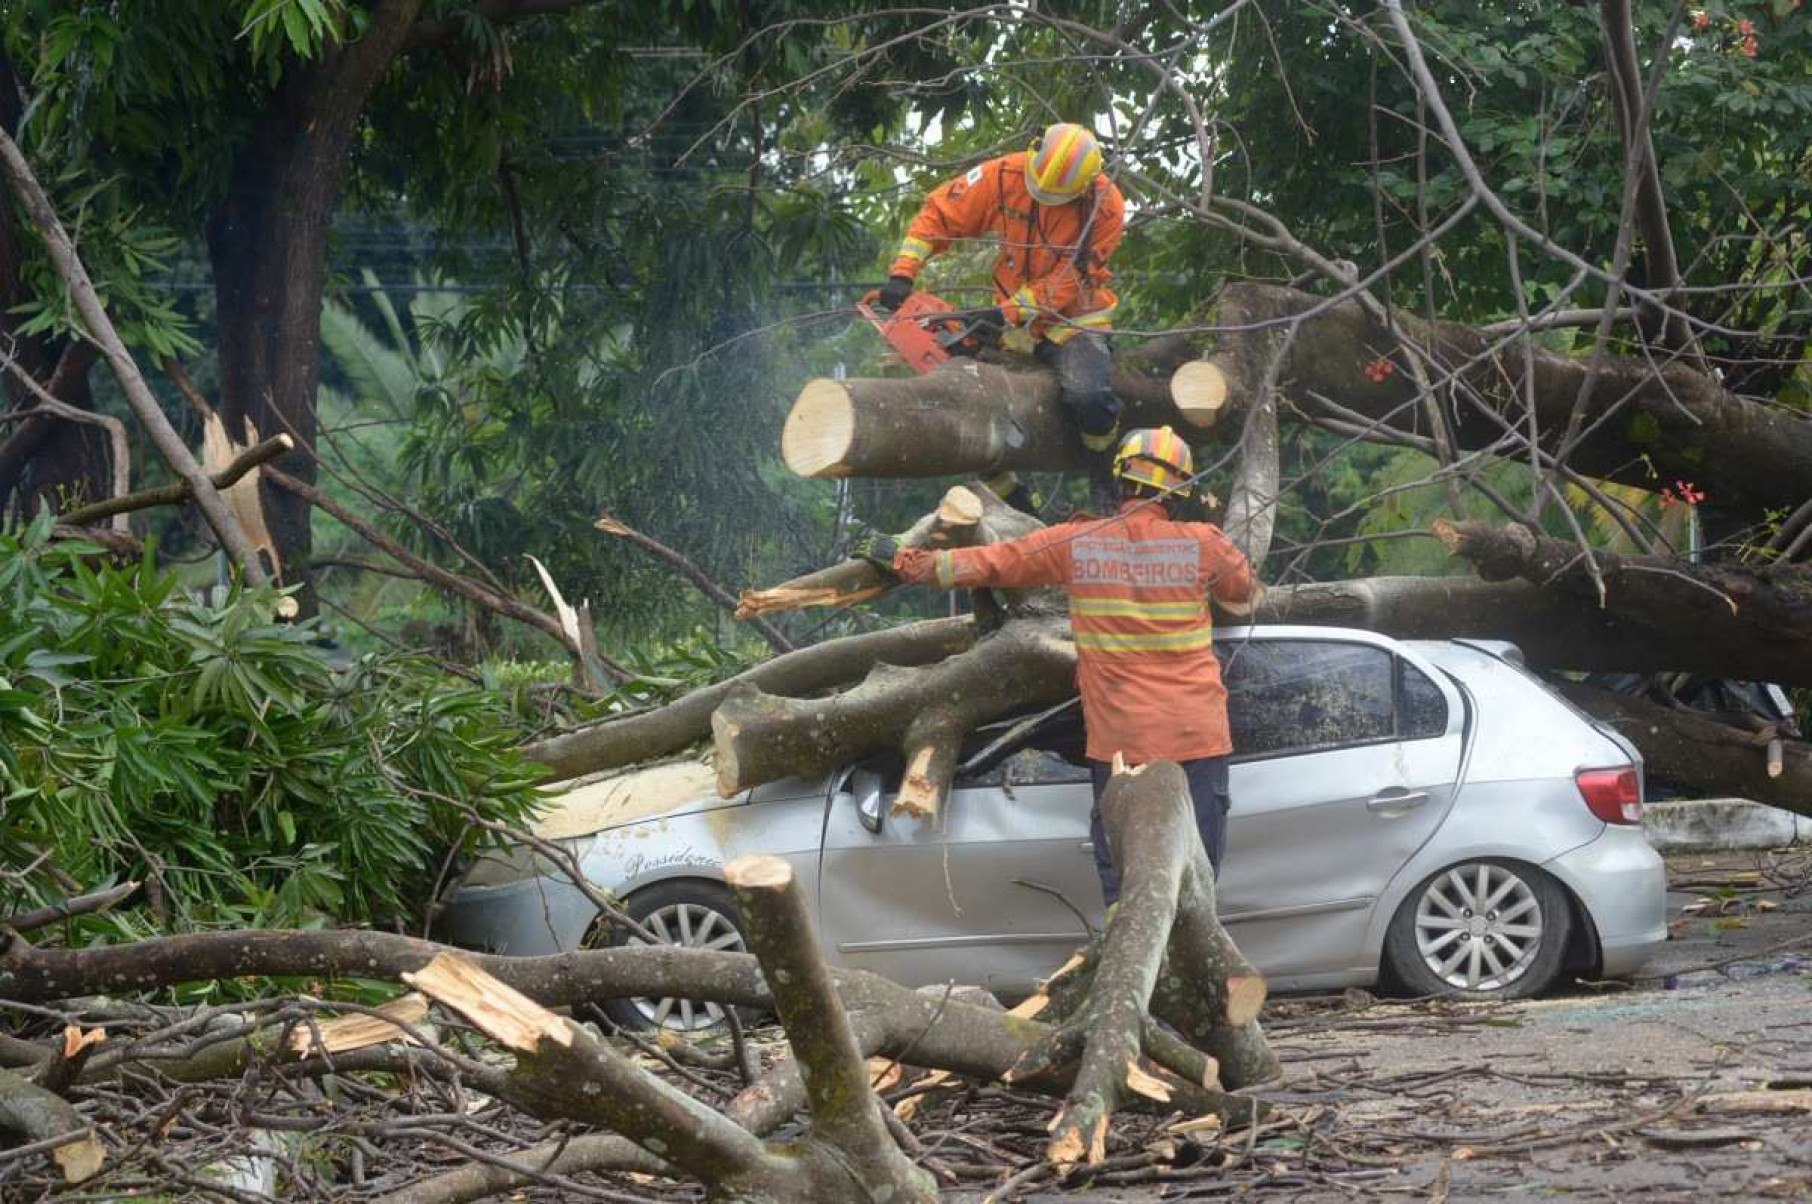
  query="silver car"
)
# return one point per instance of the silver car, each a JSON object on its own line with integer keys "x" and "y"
{"x": 1423, "y": 813}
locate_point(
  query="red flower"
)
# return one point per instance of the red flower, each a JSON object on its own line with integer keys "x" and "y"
{"x": 1379, "y": 370}
{"x": 1750, "y": 46}
{"x": 1700, "y": 18}
{"x": 1746, "y": 27}
{"x": 1684, "y": 493}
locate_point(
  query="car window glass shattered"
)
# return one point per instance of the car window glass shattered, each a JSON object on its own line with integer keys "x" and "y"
{"x": 1292, "y": 695}
{"x": 1052, "y": 751}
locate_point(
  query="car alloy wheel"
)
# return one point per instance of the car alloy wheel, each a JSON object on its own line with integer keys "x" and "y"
{"x": 693, "y": 926}
{"x": 1478, "y": 926}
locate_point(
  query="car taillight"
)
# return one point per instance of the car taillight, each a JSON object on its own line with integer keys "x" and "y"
{"x": 1614, "y": 795}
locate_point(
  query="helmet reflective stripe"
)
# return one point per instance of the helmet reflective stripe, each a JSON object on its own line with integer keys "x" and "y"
{"x": 1064, "y": 163}
{"x": 1156, "y": 457}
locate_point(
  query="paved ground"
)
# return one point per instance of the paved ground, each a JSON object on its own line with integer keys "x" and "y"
{"x": 1694, "y": 1083}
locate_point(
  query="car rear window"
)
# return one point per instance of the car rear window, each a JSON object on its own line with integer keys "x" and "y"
{"x": 1286, "y": 696}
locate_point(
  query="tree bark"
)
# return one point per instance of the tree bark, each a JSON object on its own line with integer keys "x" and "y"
{"x": 1163, "y": 929}
{"x": 969, "y": 515}
{"x": 39, "y": 1115}
{"x": 655, "y": 733}
{"x": 759, "y": 737}
{"x": 1744, "y": 455}
{"x": 1725, "y": 609}
{"x": 957, "y": 522}
{"x": 887, "y": 1019}
{"x": 164, "y": 495}
{"x": 1690, "y": 750}
{"x": 1645, "y": 424}
{"x": 267, "y": 242}
{"x": 1554, "y": 626}
{"x": 845, "y": 1112}
{"x": 971, "y": 418}
{"x": 100, "y": 328}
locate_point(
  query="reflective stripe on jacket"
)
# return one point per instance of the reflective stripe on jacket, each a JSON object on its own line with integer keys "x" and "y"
{"x": 1051, "y": 271}
{"x": 1139, "y": 585}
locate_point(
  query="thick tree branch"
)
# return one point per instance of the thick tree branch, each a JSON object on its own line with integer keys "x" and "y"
{"x": 1743, "y": 455}
{"x": 697, "y": 576}
{"x": 1692, "y": 751}
{"x": 502, "y": 604}
{"x": 651, "y": 734}
{"x": 38, "y": 1115}
{"x": 846, "y": 1113}
{"x": 177, "y": 491}
{"x": 121, "y": 459}
{"x": 88, "y": 304}
{"x": 1715, "y": 605}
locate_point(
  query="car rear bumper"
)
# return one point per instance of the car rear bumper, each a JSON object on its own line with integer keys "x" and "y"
{"x": 1622, "y": 882}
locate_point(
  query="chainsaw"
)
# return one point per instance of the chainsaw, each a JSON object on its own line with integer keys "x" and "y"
{"x": 927, "y": 330}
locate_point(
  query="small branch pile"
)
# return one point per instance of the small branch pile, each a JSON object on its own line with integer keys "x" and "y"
{"x": 302, "y": 1096}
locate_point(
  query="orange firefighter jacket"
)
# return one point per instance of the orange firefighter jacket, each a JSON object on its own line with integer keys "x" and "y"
{"x": 1139, "y": 585}
{"x": 1051, "y": 272}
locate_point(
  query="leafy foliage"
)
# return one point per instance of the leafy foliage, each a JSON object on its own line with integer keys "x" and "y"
{"x": 218, "y": 756}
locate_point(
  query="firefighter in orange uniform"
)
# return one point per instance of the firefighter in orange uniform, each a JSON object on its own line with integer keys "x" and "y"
{"x": 1058, "y": 220}
{"x": 1139, "y": 586}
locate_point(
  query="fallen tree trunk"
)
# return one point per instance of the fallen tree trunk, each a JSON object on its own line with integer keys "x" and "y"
{"x": 971, "y": 418}
{"x": 660, "y": 731}
{"x": 930, "y": 1029}
{"x": 1163, "y": 926}
{"x": 925, "y": 713}
{"x": 969, "y": 515}
{"x": 1646, "y": 424}
{"x": 1643, "y": 424}
{"x": 562, "y": 1071}
{"x": 1692, "y": 751}
{"x": 41, "y": 1116}
{"x": 1555, "y": 628}
{"x": 1727, "y": 610}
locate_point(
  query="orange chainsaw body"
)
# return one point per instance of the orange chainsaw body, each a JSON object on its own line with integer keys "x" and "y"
{"x": 925, "y": 330}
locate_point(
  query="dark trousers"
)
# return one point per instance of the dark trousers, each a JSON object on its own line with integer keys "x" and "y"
{"x": 1207, "y": 790}
{"x": 1085, "y": 372}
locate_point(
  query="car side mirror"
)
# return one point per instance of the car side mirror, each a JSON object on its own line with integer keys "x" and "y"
{"x": 865, "y": 787}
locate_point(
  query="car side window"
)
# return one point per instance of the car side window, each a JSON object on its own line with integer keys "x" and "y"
{"x": 1298, "y": 695}
{"x": 1422, "y": 708}
{"x": 1052, "y": 754}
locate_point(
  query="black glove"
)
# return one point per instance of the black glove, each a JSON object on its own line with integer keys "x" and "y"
{"x": 876, "y": 547}
{"x": 990, "y": 324}
{"x": 893, "y": 294}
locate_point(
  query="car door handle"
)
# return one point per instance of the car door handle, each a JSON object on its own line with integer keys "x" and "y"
{"x": 1396, "y": 800}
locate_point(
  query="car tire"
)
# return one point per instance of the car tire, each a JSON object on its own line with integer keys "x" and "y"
{"x": 1443, "y": 942}
{"x": 692, "y": 913}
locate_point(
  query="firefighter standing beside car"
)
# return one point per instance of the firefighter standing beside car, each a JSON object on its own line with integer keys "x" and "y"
{"x": 1139, "y": 586}
{"x": 1058, "y": 219}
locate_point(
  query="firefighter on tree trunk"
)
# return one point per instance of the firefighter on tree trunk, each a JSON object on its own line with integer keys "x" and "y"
{"x": 1058, "y": 220}
{"x": 1139, "y": 585}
